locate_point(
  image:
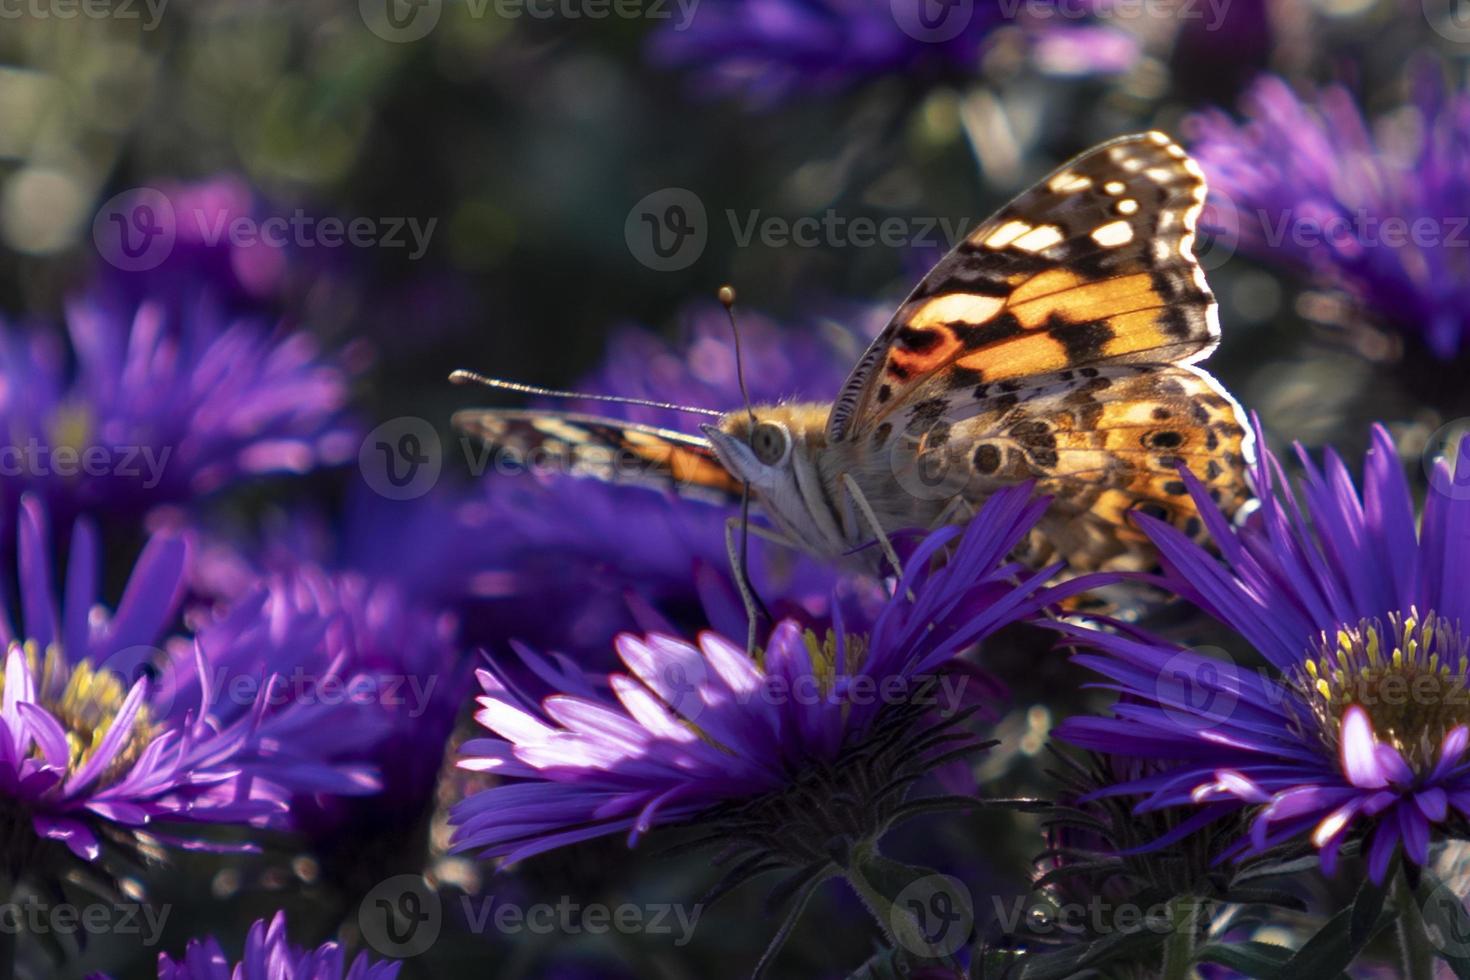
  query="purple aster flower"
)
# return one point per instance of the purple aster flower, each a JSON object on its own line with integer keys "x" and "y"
{"x": 1376, "y": 216}
{"x": 770, "y": 50}
{"x": 98, "y": 742}
{"x": 153, "y": 405}
{"x": 695, "y": 727}
{"x": 364, "y": 679}
{"x": 204, "y": 254}
{"x": 1357, "y": 732}
{"x": 268, "y": 952}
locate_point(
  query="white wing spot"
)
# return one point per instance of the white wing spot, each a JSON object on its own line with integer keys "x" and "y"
{"x": 1113, "y": 234}
{"x": 1039, "y": 239}
{"x": 1006, "y": 234}
{"x": 1068, "y": 183}
{"x": 1115, "y": 187}
{"x": 970, "y": 308}
{"x": 1128, "y": 206}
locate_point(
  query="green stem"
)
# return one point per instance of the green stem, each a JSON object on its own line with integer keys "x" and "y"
{"x": 1416, "y": 954}
{"x": 919, "y": 911}
{"x": 1179, "y": 949}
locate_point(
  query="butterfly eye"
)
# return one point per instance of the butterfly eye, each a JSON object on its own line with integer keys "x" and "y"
{"x": 770, "y": 442}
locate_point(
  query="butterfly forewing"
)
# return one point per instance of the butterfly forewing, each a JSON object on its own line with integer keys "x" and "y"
{"x": 605, "y": 449}
{"x": 1093, "y": 265}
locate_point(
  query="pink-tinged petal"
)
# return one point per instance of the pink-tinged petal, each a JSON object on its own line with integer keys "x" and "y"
{"x": 47, "y": 732}
{"x": 1433, "y": 803}
{"x": 511, "y": 722}
{"x": 73, "y": 833}
{"x": 1359, "y": 758}
{"x": 649, "y": 711}
{"x": 1237, "y": 784}
{"x": 1451, "y": 751}
{"x": 1335, "y": 824}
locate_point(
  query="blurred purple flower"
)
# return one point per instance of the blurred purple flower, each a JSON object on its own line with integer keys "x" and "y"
{"x": 97, "y": 741}
{"x": 771, "y": 50}
{"x": 269, "y": 953}
{"x": 152, "y": 406}
{"x": 692, "y": 727}
{"x": 1378, "y": 216}
{"x": 1359, "y": 731}
{"x": 365, "y": 677}
{"x": 206, "y": 255}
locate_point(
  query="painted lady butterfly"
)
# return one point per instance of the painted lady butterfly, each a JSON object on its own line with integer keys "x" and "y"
{"x": 1056, "y": 343}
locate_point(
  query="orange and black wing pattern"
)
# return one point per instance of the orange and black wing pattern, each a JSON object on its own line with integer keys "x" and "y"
{"x": 1094, "y": 265}
{"x": 605, "y": 449}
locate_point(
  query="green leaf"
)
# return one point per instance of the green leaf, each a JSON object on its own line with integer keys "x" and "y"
{"x": 1064, "y": 963}
{"x": 1250, "y": 958}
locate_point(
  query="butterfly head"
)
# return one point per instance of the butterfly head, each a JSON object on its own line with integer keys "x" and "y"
{"x": 765, "y": 446}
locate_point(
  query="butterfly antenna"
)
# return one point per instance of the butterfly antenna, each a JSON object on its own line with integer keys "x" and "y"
{"x": 755, "y": 607}
{"x": 463, "y": 377}
{"x": 727, "y": 300}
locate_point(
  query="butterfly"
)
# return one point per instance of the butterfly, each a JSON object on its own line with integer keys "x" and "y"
{"x": 1057, "y": 343}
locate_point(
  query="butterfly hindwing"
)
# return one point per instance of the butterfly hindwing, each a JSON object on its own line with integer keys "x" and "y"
{"x": 1094, "y": 265}
{"x": 604, "y": 449}
{"x": 1104, "y": 443}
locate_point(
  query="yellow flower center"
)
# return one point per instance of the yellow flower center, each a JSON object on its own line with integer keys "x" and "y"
{"x": 85, "y": 702}
{"x": 1409, "y": 675}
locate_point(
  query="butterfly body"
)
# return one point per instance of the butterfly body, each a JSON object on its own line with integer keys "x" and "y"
{"x": 1056, "y": 344}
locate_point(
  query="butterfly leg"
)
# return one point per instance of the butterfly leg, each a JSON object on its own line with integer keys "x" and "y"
{"x": 957, "y": 511}
{"x": 735, "y": 548}
{"x": 872, "y": 518}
